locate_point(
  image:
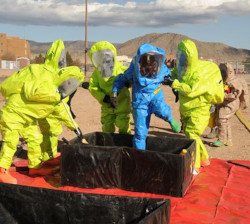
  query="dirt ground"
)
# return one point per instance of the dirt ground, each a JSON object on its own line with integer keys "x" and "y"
{"x": 88, "y": 111}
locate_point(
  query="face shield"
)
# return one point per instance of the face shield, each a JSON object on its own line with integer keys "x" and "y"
{"x": 68, "y": 86}
{"x": 104, "y": 62}
{"x": 150, "y": 64}
{"x": 181, "y": 64}
{"x": 223, "y": 71}
{"x": 62, "y": 60}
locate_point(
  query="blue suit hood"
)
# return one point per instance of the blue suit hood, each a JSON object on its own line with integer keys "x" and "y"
{"x": 145, "y": 48}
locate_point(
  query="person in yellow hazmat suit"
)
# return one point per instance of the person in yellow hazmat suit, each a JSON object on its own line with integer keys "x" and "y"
{"x": 104, "y": 58}
{"x": 199, "y": 84}
{"x": 51, "y": 127}
{"x": 32, "y": 93}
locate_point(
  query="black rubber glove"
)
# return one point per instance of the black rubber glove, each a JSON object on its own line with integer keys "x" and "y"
{"x": 168, "y": 81}
{"x": 114, "y": 101}
{"x": 106, "y": 99}
{"x": 127, "y": 84}
{"x": 69, "y": 103}
{"x": 175, "y": 92}
{"x": 78, "y": 132}
{"x": 85, "y": 85}
{"x": 62, "y": 94}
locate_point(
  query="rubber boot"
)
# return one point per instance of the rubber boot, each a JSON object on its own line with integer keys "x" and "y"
{"x": 55, "y": 161}
{"x": 205, "y": 162}
{"x": 218, "y": 143}
{"x": 175, "y": 126}
{"x": 213, "y": 133}
{"x": 196, "y": 171}
{"x": 5, "y": 177}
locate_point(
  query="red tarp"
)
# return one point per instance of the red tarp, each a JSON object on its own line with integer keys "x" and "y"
{"x": 219, "y": 194}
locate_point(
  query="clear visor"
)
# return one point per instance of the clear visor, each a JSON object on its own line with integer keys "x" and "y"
{"x": 150, "y": 64}
{"x": 104, "y": 62}
{"x": 68, "y": 86}
{"x": 181, "y": 63}
{"x": 62, "y": 60}
{"x": 223, "y": 71}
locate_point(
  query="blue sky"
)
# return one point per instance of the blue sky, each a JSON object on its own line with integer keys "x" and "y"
{"x": 117, "y": 21}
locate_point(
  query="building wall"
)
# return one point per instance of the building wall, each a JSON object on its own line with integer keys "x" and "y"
{"x": 10, "y": 64}
{"x": 3, "y": 43}
{"x": 14, "y": 45}
{"x": 23, "y": 62}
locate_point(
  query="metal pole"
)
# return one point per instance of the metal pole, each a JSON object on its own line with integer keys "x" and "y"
{"x": 71, "y": 118}
{"x": 86, "y": 35}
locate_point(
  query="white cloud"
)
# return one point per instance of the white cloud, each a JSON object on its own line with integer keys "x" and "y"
{"x": 158, "y": 13}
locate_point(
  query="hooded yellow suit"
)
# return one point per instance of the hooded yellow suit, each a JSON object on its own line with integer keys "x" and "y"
{"x": 198, "y": 88}
{"x": 32, "y": 94}
{"x": 99, "y": 87}
{"x": 51, "y": 126}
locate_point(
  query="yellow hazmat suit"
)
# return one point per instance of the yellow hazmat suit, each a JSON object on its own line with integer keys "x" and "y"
{"x": 199, "y": 85}
{"x": 50, "y": 126}
{"x": 100, "y": 86}
{"x": 32, "y": 94}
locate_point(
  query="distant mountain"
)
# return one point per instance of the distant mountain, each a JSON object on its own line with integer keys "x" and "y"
{"x": 167, "y": 41}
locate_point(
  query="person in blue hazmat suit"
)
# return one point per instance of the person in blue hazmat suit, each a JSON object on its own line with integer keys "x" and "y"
{"x": 199, "y": 84}
{"x": 32, "y": 93}
{"x": 146, "y": 73}
{"x": 107, "y": 68}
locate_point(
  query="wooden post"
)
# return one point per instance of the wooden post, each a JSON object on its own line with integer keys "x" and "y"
{"x": 86, "y": 35}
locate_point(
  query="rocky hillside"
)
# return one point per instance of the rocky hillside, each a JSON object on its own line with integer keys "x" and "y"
{"x": 167, "y": 41}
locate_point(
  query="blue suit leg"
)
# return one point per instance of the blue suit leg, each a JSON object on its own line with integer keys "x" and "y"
{"x": 160, "y": 108}
{"x": 141, "y": 120}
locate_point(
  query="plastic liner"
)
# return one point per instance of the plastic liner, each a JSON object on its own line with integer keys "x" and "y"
{"x": 110, "y": 162}
{"x": 29, "y": 205}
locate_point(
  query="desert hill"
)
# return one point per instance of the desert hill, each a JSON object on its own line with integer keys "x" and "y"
{"x": 167, "y": 41}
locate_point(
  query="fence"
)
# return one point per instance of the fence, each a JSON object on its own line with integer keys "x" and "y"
{"x": 241, "y": 67}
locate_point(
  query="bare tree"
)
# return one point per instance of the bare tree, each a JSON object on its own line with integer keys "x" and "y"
{"x": 38, "y": 59}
